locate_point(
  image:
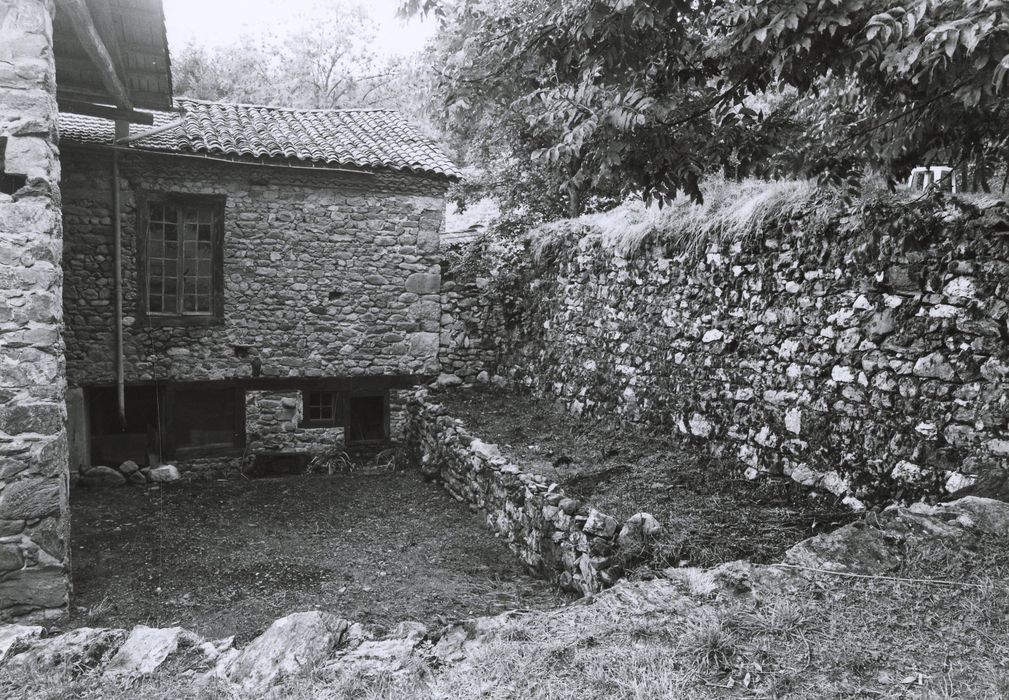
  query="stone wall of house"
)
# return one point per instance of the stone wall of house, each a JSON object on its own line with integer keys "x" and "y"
{"x": 866, "y": 355}
{"x": 273, "y": 424}
{"x": 34, "y": 556}
{"x": 562, "y": 539}
{"x": 468, "y": 318}
{"x": 325, "y": 274}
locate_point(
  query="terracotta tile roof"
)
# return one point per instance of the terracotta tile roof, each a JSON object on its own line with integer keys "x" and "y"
{"x": 374, "y": 139}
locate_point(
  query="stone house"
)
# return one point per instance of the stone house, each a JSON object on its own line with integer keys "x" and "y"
{"x": 280, "y": 283}
{"x": 233, "y": 280}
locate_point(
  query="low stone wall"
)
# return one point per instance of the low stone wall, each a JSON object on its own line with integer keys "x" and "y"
{"x": 560, "y": 538}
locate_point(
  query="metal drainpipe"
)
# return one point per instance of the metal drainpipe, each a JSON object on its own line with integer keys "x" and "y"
{"x": 117, "y": 231}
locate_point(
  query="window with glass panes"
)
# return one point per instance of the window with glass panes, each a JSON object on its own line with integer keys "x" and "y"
{"x": 321, "y": 407}
{"x": 181, "y": 256}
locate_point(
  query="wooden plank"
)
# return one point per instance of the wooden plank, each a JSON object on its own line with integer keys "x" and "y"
{"x": 84, "y": 27}
{"x": 104, "y": 111}
{"x": 77, "y": 430}
{"x": 357, "y": 384}
{"x": 101, "y": 14}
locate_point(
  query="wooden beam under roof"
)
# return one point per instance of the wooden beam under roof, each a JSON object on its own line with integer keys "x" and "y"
{"x": 91, "y": 41}
{"x": 106, "y": 112}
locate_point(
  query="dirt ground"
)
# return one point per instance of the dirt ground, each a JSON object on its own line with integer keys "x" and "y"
{"x": 711, "y": 513}
{"x": 229, "y": 557}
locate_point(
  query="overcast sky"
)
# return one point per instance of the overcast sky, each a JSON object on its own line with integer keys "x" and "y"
{"x": 216, "y": 22}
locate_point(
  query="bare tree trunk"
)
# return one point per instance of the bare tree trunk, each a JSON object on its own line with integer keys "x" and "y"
{"x": 574, "y": 192}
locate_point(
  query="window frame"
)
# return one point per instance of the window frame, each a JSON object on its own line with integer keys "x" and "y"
{"x": 339, "y": 413}
{"x": 144, "y": 200}
{"x": 349, "y": 419}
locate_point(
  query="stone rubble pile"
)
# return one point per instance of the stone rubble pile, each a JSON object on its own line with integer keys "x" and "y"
{"x": 127, "y": 473}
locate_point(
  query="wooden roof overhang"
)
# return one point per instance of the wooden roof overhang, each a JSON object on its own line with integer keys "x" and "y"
{"x": 112, "y": 58}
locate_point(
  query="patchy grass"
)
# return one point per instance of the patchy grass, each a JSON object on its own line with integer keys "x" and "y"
{"x": 830, "y": 637}
{"x": 229, "y": 557}
{"x": 732, "y": 212}
{"x": 711, "y": 513}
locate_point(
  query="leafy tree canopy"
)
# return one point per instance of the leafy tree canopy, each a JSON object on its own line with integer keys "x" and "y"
{"x": 608, "y": 97}
{"x": 326, "y": 60}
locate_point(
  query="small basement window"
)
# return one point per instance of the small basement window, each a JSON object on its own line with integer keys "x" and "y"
{"x": 368, "y": 420}
{"x": 321, "y": 409}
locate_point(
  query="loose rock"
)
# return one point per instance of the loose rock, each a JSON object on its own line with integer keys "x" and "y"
{"x": 292, "y": 645}
{"x": 146, "y": 649}
{"x": 164, "y": 473}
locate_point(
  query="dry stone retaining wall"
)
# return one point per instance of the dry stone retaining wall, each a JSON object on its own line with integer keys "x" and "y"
{"x": 34, "y": 559}
{"x": 560, "y": 538}
{"x": 865, "y": 353}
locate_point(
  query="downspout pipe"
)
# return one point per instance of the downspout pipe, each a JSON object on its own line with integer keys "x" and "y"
{"x": 117, "y": 234}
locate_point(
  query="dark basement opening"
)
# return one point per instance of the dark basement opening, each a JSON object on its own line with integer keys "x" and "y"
{"x": 164, "y": 422}
{"x": 368, "y": 420}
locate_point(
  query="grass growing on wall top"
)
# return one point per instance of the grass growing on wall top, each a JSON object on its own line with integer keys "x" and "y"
{"x": 731, "y": 212}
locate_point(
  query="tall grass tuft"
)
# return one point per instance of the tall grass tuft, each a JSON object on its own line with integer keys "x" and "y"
{"x": 732, "y": 212}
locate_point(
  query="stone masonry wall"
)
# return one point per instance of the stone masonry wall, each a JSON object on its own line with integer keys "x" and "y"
{"x": 864, "y": 352}
{"x": 273, "y": 423}
{"x": 34, "y": 522}
{"x": 560, "y": 538}
{"x": 325, "y": 274}
{"x": 468, "y": 319}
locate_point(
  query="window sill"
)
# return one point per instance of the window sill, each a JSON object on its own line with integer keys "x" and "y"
{"x": 156, "y": 320}
{"x": 211, "y": 451}
{"x": 309, "y": 425}
{"x": 368, "y": 443}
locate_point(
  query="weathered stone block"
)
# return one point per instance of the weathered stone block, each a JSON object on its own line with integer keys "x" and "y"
{"x": 42, "y": 587}
{"x": 30, "y": 498}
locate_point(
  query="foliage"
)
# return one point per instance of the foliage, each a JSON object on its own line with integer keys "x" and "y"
{"x": 611, "y": 97}
{"x": 327, "y": 61}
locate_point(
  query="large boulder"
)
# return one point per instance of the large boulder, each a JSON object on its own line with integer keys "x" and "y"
{"x": 290, "y": 646}
{"x": 878, "y": 546}
{"x": 147, "y": 648}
